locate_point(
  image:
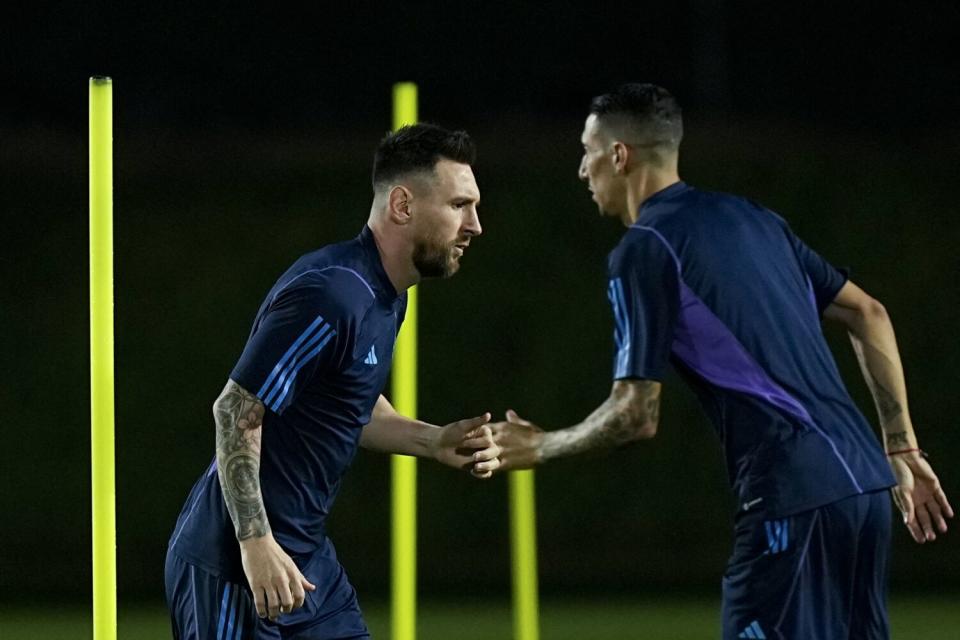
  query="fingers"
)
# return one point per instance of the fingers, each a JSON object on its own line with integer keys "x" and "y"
{"x": 478, "y": 438}
{"x": 260, "y": 602}
{"x": 285, "y": 597}
{"x": 273, "y": 603}
{"x": 941, "y": 499}
{"x": 513, "y": 417}
{"x": 926, "y": 524}
{"x": 487, "y": 461}
{"x": 905, "y": 502}
{"x": 299, "y": 595}
{"x": 936, "y": 516}
{"x": 470, "y": 425}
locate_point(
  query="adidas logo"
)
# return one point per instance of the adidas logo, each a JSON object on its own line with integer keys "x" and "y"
{"x": 753, "y": 630}
{"x": 371, "y": 358}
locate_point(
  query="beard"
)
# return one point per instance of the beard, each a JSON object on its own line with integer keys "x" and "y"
{"x": 435, "y": 259}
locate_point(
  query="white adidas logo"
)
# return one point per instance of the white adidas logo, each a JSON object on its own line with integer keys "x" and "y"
{"x": 371, "y": 358}
{"x": 753, "y": 630}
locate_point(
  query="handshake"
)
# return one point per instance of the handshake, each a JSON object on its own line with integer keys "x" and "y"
{"x": 484, "y": 448}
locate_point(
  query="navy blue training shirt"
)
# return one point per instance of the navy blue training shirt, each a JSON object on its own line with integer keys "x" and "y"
{"x": 318, "y": 357}
{"x": 722, "y": 289}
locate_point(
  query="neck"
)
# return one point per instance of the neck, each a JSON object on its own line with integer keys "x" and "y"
{"x": 396, "y": 252}
{"x": 644, "y": 184}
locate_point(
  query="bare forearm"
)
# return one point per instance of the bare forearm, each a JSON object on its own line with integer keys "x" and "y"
{"x": 390, "y": 432}
{"x": 875, "y": 345}
{"x": 239, "y": 418}
{"x": 629, "y": 414}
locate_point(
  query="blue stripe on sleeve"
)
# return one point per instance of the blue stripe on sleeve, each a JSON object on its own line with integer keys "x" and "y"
{"x": 298, "y": 358}
{"x": 623, "y": 358}
{"x": 293, "y": 374}
{"x": 293, "y": 348}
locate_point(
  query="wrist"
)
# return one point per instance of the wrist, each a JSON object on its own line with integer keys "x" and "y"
{"x": 257, "y": 542}
{"x": 913, "y": 452}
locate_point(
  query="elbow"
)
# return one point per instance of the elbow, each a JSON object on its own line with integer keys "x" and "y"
{"x": 874, "y": 310}
{"x": 870, "y": 313}
{"x": 646, "y": 430}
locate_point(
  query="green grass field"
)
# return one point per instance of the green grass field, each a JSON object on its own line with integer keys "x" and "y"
{"x": 913, "y": 618}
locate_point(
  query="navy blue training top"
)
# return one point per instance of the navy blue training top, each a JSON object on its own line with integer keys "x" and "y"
{"x": 318, "y": 357}
{"x": 722, "y": 289}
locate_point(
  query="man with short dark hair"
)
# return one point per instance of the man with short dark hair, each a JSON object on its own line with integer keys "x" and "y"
{"x": 249, "y": 557}
{"x": 722, "y": 289}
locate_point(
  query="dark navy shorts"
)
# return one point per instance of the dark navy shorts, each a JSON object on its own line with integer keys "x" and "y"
{"x": 816, "y": 575}
{"x": 204, "y": 606}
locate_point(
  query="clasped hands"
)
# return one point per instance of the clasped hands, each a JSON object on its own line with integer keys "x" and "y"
{"x": 484, "y": 448}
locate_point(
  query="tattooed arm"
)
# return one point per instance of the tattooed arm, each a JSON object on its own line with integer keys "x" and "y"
{"x": 239, "y": 417}
{"x": 918, "y": 494}
{"x": 276, "y": 582}
{"x": 632, "y": 412}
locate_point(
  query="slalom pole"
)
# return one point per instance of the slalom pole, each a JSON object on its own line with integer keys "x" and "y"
{"x": 102, "y": 457}
{"x": 404, "y": 468}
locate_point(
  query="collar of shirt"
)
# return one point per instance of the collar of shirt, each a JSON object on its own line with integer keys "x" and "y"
{"x": 369, "y": 245}
{"x": 672, "y": 191}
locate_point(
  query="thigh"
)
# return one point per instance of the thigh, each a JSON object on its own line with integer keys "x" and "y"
{"x": 868, "y": 620}
{"x": 203, "y": 606}
{"x": 342, "y": 623}
{"x": 780, "y": 581}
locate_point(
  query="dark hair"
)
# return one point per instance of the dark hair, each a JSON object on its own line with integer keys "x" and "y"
{"x": 646, "y": 111}
{"x": 419, "y": 147}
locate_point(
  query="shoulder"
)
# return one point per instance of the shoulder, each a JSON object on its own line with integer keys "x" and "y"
{"x": 643, "y": 243}
{"x": 337, "y": 289}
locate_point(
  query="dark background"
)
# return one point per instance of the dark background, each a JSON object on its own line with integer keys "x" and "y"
{"x": 243, "y": 138}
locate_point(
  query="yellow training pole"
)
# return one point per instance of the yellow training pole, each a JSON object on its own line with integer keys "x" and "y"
{"x": 101, "y": 360}
{"x": 523, "y": 546}
{"x": 404, "y": 468}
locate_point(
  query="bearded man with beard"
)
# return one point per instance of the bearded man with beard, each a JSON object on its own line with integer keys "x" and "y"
{"x": 249, "y": 556}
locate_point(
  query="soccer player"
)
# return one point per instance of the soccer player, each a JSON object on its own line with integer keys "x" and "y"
{"x": 249, "y": 556}
{"x": 722, "y": 289}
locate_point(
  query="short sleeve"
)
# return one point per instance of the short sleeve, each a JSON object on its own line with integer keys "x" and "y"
{"x": 825, "y": 280}
{"x": 301, "y": 333}
{"x": 644, "y": 293}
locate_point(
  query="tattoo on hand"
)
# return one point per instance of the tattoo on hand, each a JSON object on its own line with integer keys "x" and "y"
{"x": 630, "y": 408}
{"x": 239, "y": 417}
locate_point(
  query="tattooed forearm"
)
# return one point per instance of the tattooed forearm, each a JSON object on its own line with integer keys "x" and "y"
{"x": 887, "y": 405}
{"x": 239, "y": 416}
{"x": 630, "y": 413}
{"x": 898, "y": 439}
{"x": 888, "y": 395}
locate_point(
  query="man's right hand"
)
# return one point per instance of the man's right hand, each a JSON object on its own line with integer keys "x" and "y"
{"x": 276, "y": 582}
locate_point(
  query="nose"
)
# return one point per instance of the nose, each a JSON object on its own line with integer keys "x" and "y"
{"x": 582, "y": 170}
{"x": 471, "y": 222}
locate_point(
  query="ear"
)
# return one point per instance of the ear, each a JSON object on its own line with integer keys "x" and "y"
{"x": 621, "y": 157}
{"x": 398, "y": 205}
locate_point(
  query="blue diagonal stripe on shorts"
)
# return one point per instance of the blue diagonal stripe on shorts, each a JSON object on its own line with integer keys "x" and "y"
{"x": 223, "y": 611}
{"x": 233, "y": 614}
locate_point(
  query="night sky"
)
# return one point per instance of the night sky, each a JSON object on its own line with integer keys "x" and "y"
{"x": 851, "y": 64}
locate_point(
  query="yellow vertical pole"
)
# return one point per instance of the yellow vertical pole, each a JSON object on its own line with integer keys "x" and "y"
{"x": 101, "y": 361}
{"x": 404, "y": 468}
{"x": 523, "y": 546}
